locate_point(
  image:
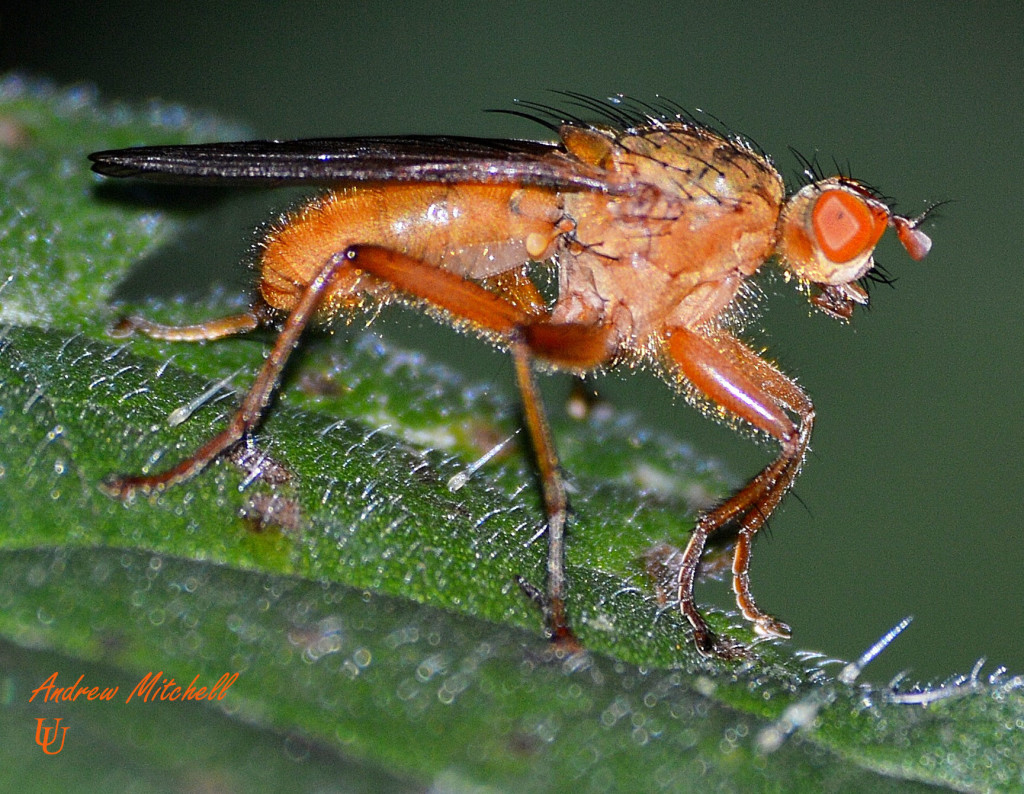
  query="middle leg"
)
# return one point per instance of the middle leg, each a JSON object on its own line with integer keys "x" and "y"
{"x": 529, "y": 334}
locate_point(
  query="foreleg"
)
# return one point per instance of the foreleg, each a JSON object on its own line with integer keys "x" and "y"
{"x": 734, "y": 378}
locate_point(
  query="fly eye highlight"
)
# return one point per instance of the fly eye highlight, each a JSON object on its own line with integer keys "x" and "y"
{"x": 847, "y": 226}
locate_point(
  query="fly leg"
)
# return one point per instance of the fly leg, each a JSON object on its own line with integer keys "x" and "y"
{"x": 417, "y": 278}
{"x": 556, "y": 502}
{"x": 573, "y": 346}
{"x": 516, "y": 319}
{"x": 733, "y": 377}
{"x": 256, "y": 400}
{"x": 203, "y": 332}
{"x": 529, "y": 334}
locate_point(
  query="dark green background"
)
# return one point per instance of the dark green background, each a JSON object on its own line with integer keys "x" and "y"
{"x": 913, "y": 493}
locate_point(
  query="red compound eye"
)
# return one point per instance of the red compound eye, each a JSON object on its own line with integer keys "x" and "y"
{"x": 846, "y": 225}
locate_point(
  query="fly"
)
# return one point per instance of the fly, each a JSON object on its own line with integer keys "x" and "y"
{"x": 653, "y": 220}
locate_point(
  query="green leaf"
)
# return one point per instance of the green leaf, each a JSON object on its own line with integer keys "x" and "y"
{"x": 369, "y": 610}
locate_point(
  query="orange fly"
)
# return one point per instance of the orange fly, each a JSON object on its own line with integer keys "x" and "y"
{"x": 654, "y": 222}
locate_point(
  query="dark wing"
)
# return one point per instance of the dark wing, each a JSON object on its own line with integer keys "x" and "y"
{"x": 335, "y": 161}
